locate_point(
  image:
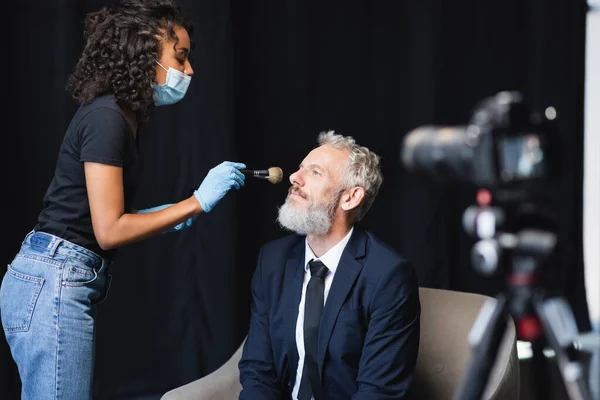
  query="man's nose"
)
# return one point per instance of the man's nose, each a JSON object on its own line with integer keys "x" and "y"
{"x": 296, "y": 178}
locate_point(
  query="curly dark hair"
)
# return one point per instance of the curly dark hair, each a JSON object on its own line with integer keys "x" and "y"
{"x": 122, "y": 42}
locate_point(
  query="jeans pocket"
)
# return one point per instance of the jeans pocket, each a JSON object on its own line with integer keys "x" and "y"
{"x": 78, "y": 274}
{"x": 18, "y": 296}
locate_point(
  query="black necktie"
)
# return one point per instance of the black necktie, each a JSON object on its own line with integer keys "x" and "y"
{"x": 313, "y": 308}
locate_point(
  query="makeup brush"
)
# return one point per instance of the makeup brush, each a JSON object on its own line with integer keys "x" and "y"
{"x": 273, "y": 174}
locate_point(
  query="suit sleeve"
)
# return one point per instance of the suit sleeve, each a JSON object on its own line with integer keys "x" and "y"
{"x": 391, "y": 345}
{"x": 257, "y": 369}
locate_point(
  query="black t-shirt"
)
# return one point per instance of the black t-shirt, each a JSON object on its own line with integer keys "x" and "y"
{"x": 98, "y": 132}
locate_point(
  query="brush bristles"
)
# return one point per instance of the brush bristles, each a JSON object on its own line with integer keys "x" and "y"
{"x": 275, "y": 174}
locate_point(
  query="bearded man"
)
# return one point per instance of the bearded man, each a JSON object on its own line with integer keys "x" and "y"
{"x": 335, "y": 312}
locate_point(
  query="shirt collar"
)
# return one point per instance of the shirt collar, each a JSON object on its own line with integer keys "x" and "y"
{"x": 332, "y": 257}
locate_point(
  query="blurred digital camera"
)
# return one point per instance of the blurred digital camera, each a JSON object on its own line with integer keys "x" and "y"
{"x": 509, "y": 153}
{"x": 504, "y": 146}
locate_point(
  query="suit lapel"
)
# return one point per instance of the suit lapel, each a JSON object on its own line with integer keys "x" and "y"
{"x": 294, "y": 275}
{"x": 345, "y": 276}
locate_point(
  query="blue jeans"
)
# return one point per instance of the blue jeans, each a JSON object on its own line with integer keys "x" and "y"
{"x": 47, "y": 304}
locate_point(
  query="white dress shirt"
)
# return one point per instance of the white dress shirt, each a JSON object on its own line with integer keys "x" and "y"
{"x": 331, "y": 260}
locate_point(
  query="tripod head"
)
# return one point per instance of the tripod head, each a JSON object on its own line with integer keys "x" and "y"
{"x": 517, "y": 243}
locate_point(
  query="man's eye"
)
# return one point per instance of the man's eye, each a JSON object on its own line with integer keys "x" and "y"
{"x": 315, "y": 172}
{"x": 181, "y": 61}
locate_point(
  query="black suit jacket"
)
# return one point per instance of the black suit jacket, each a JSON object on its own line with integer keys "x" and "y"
{"x": 369, "y": 332}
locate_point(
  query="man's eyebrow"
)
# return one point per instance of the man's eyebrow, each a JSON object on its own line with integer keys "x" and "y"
{"x": 315, "y": 166}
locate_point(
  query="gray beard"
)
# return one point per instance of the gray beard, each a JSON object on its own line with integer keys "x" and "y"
{"x": 314, "y": 220}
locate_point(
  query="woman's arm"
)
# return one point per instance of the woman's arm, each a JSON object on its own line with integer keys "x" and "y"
{"x": 115, "y": 228}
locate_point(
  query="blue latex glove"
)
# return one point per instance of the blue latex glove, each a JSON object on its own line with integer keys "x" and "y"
{"x": 218, "y": 182}
{"x": 185, "y": 224}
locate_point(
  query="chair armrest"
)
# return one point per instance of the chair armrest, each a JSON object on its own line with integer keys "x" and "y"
{"x": 222, "y": 384}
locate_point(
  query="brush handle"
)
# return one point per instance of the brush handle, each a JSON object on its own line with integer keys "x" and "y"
{"x": 256, "y": 173}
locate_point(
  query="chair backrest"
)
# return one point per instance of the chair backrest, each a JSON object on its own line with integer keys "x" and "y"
{"x": 444, "y": 352}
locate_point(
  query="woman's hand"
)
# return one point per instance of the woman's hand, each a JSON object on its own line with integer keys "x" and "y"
{"x": 218, "y": 182}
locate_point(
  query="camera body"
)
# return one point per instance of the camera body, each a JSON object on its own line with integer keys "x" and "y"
{"x": 504, "y": 147}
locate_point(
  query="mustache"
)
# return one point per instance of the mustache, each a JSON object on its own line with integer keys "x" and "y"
{"x": 298, "y": 191}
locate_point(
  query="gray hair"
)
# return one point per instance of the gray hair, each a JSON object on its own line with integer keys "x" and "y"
{"x": 362, "y": 168}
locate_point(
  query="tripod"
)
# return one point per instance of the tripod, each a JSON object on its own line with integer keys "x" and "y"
{"x": 540, "y": 319}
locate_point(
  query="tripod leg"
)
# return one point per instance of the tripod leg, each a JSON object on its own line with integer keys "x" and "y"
{"x": 561, "y": 330}
{"x": 485, "y": 337}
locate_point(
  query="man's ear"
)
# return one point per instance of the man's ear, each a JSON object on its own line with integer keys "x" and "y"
{"x": 351, "y": 198}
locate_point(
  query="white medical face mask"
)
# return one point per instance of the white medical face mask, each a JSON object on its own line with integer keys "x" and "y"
{"x": 174, "y": 88}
